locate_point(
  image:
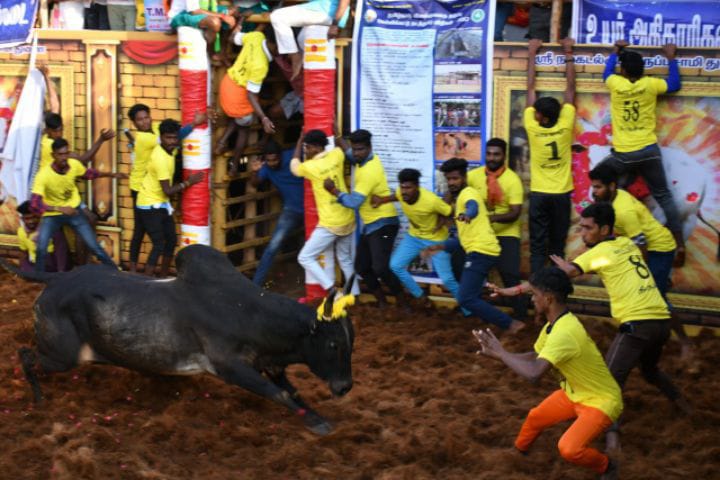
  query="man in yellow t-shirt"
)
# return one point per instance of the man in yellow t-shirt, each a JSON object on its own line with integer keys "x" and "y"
{"x": 153, "y": 200}
{"x": 633, "y": 101}
{"x": 336, "y": 223}
{"x": 55, "y": 196}
{"x": 54, "y": 130}
{"x": 27, "y": 233}
{"x": 634, "y": 300}
{"x": 478, "y": 240}
{"x": 239, "y": 90}
{"x": 380, "y": 225}
{"x": 426, "y": 214}
{"x": 502, "y": 190}
{"x": 146, "y": 138}
{"x": 588, "y": 393}
{"x": 549, "y": 128}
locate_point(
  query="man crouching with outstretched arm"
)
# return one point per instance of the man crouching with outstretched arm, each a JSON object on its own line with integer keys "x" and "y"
{"x": 588, "y": 393}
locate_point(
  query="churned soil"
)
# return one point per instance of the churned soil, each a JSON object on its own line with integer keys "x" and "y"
{"x": 423, "y": 406}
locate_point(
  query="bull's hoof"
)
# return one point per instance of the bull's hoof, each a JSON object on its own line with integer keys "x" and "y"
{"x": 317, "y": 424}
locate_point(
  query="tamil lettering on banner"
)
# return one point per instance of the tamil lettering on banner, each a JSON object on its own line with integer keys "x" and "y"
{"x": 551, "y": 59}
{"x": 694, "y": 23}
{"x": 422, "y": 83}
{"x": 156, "y": 19}
{"x": 17, "y": 18}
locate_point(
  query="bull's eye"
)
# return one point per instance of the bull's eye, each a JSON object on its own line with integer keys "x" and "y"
{"x": 333, "y": 345}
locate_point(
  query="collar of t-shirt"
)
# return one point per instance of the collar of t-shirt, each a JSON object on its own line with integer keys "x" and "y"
{"x": 358, "y": 161}
{"x": 550, "y": 327}
{"x": 237, "y": 40}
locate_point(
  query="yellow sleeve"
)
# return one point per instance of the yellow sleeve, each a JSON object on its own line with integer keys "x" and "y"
{"x": 441, "y": 207}
{"x": 612, "y": 81}
{"x": 627, "y": 219}
{"x": 145, "y": 141}
{"x": 305, "y": 170}
{"x": 22, "y": 239}
{"x": 38, "y": 187}
{"x": 567, "y": 116}
{"x": 659, "y": 85}
{"x": 77, "y": 167}
{"x": 162, "y": 172}
{"x": 515, "y": 192}
{"x": 559, "y": 347}
{"x": 586, "y": 261}
{"x": 529, "y": 118}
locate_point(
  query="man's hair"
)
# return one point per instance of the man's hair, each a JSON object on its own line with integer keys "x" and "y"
{"x": 554, "y": 281}
{"x": 271, "y": 148}
{"x": 632, "y": 63}
{"x": 361, "y": 136}
{"x": 169, "y": 126}
{"x": 53, "y": 121}
{"x": 602, "y": 213}
{"x": 497, "y": 142}
{"x": 454, "y": 165}
{"x": 316, "y": 138}
{"x": 137, "y": 108}
{"x": 409, "y": 175}
{"x": 59, "y": 143}
{"x": 548, "y": 107}
{"x": 604, "y": 173}
{"x": 24, "y": 208}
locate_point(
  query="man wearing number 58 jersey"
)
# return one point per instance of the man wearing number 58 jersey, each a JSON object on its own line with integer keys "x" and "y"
{"x": 633, "y": 100}
{"x": 549, "y": 128}
{"x": 635, "y": 300}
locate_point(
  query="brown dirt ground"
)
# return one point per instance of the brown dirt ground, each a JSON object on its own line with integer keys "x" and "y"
{"x": 423, "y": 406}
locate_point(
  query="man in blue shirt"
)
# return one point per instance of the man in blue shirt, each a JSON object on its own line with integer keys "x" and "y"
{"x": 275, "y": 169}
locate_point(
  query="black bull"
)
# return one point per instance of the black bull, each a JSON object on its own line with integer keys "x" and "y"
{"x": 210, "y": 318}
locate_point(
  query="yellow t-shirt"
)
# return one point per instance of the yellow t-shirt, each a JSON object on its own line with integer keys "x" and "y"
{"x": 45, "y": 151}
{"x": 628, "y": 281}
{"x": 632, "y": 218}
{"x": 512, "y": 188}
{"x": 370, "y": 180}
{"x": 550, "y": 151}
{"x": 59, "y": 190}
{"x": 331, "y": 214}
{"x": 632, "y": 111}
{"x": 26, "y": 243}
{"x": 160, "y": 167}
{"x": 145, "y": 142}
{"x": 423, "y": 215}
{"x": 476, "y": 236}
{"x": 252, "y": 64}
{"x": 585, "y": 377}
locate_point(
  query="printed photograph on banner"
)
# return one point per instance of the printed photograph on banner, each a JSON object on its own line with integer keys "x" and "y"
{"x": 458, "y": 78}
{"x": 456, "y": 112}
{"x": 440, "y": 182}
{"x": 456, "y": 144}
{"x": 459, "y": 43}
{"x": 689, "y": 137}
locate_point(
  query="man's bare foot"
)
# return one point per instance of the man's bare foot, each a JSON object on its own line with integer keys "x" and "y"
{"x": 612, "y": 443}
{"x": 515, "y": 327}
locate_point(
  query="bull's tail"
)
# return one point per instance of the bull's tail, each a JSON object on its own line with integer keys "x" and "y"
{"x": 29, "y": 362}
{"x": 38, "y": 277}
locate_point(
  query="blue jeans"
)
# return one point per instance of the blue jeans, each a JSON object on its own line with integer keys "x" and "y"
{"x": 660, "y": 265}
{"x": 475, "y": 271}
{"x": 78, "y": 222}
{"x": 287, "y": 222}
{"x": 406, "y": 251}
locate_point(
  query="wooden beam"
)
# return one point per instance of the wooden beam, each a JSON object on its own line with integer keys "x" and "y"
{"x": 250, "y": 221}
{"x": 556, "y": 15}
{"x": 250, "y": 196}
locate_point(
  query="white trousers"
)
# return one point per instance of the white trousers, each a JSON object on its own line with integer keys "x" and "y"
{"x": 283, "y": 19}
{"x": 320, "y": 240}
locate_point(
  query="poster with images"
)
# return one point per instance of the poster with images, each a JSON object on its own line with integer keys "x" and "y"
{"x": 422, "y": 80}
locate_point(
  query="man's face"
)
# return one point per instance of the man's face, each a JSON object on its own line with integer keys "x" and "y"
{"x": 591, "y": 233}
{"x": 494, "y": 158}
{"x": 142, "y": 121}
{"x": 456, "y": 181}
{"x": 311, "y": 151}
{"x": 602, "y": 192}
{"x": 272, "y": 160}
{"x": 539, "y": 300}
{"x": 30, "y": 220}
{"x": 169, "y": 141}
{"x": 360, "y": 151}
{"x": 60, "y": 157}
{"x": 409, "y": 192}
{"x": 54, "y": 133}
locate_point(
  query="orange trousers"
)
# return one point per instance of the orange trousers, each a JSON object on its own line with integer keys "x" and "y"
{"x": 573, "y": 445}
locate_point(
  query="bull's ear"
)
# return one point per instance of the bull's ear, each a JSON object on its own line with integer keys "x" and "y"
{"x": 349, "y": 285}
{"x": 328, "y": 304}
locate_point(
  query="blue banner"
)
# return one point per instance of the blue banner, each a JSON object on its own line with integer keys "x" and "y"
{"x": 17, "y": 18}
{"x": 694, "y": 23}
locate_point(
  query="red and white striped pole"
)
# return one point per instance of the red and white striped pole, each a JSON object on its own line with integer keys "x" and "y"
{"x": 319, "y": 98}
{"x": 197, "y": 152}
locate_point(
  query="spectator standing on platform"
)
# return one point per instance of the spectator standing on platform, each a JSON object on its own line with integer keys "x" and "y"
{"x": 549, "y": 129}
{"x": 478, "y": 240}
{"x": 503, "y": 193}
{"x": 274, "y": 169}
{"x": 55, "y": 196}
{"x": 122, "y": 14}
{"x": 633, "y": 101}
{"x": 96, "y": 15}
{"x": 588, "y": 393}
{"x": 380, "y": 224}
{"x": 333, "y": 13}
{"x": 153, "y": 199}
{"x": 336, "y": 223}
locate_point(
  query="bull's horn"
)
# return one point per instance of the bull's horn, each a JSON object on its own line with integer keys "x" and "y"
{"x": 349, "y": 285}
{"x": 328, "y": 304}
